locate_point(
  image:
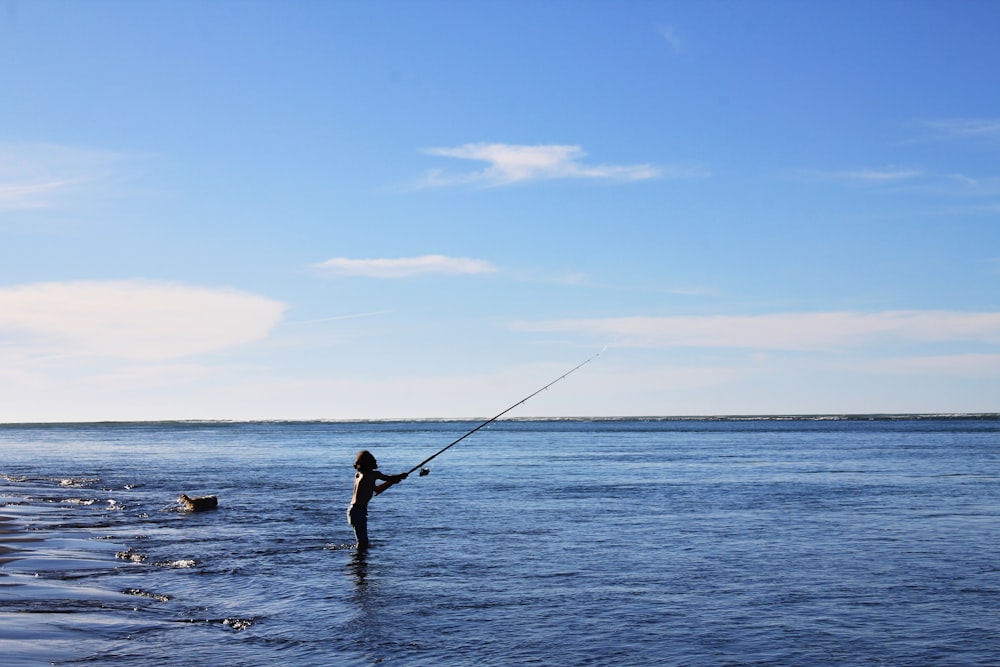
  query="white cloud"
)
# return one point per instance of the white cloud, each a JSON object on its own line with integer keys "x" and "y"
{"x": 512, "y": 163}
{"x": 405, "y": 267}
{"x": 36, "y": 176}
{"x": 789, "y": 331}
{"x": 132, "y": 320}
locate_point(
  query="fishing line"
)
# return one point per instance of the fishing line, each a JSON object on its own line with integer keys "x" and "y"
{"x": 424, "y": 471}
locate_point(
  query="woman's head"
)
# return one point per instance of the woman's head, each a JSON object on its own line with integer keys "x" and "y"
{"x": 365, "y": 461}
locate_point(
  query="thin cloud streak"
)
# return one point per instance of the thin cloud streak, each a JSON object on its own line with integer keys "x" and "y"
{"x": 405, "y": 267}
{"x": 966, "y": 128}
{"x": 40, "y": 176}
{"x": 334, "y": 318}
{"x": 513, "y": 163}
{"x": 788, "y": 331}
{"x": 874, "y": 175}
{"x": 19, "y": 196}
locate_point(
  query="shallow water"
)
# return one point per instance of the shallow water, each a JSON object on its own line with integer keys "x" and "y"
{"x": 555, "y": 542}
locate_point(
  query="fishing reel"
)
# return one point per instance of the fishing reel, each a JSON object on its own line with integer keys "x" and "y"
{"x": 424, "y": 472}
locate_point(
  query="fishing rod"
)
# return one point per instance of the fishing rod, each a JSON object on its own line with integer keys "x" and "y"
{"x": 424, "y": 471}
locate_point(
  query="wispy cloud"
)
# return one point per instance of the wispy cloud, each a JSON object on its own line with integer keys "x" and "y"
{"x": 976, "y": 186}
{"x": 405, "y": 267}
{"x": 335, "y": 318}
{"x": 37, "y": 176}
{"x": 512, "y": 163}
{"x": 669, "y": 33}
{"x": 966, "y": 128}
{"x": 133, "y": 320}
{"x": 865, "y": 175}
{"x": 950, "y": 365}
{"x": 955, "y": 185}
{"x": 39, "y": 194}
{"x": 693, "y": 291}
{"x": 785, "y": 331}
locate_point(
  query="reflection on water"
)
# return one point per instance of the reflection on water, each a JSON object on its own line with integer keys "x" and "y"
{"x": 358, "y": 568}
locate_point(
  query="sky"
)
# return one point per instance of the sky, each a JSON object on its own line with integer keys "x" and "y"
{"x": 426, "y": 209}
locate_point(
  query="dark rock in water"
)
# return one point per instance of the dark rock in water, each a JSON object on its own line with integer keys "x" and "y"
{"x": 199, "y": 503}
{"x": 131, "y": 554}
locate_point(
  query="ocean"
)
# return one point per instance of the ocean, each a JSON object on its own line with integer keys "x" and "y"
{"x": 754, "y": 541}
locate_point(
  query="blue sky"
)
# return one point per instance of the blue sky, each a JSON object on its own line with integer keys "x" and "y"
{"x": 270, "y": 210}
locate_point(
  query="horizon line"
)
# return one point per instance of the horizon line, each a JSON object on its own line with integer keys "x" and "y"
{"x": 838, "y": 416}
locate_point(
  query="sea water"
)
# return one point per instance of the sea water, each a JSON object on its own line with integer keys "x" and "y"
{"x": 573, "y": 542}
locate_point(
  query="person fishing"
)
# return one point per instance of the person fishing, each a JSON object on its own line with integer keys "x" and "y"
{"x": 365, "y": 486}
{"x": 367, "y": 474}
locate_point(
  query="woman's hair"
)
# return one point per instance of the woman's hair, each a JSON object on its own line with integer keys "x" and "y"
{"x": 365, "y": 461}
